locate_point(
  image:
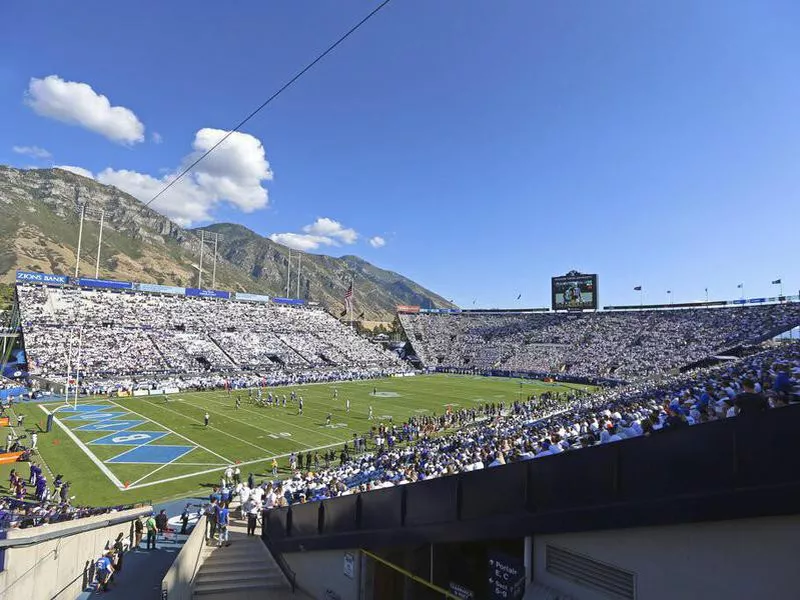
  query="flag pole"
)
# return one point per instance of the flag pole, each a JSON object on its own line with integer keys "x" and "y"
{"x": 350, "y": 301}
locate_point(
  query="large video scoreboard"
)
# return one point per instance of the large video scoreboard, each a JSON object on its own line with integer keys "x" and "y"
{"x": 574, "y": 291}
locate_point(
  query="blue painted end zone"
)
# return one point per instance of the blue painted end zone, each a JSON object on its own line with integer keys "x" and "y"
{"x": 112, "y": 425}
{"x": 96, "y": 416}
{"x": 128, "y": 438}
{"x": 157, "y": 455}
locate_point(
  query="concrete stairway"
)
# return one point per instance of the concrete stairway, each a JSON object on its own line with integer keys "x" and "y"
{"x": 241, "y": 571}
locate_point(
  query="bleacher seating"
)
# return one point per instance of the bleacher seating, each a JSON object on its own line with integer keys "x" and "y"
{"x": 157, "y": 337}
{"x": 621, "y": 345}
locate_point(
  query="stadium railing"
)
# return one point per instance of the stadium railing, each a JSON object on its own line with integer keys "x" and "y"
{"x": 733, "y": 468}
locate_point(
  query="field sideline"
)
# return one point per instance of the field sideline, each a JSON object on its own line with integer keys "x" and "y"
{"x": 131, "y": 449}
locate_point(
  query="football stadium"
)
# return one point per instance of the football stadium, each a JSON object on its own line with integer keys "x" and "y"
{"x": 209, "y": 389}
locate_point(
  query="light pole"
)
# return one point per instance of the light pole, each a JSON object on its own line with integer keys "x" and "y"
{"x": 200, "y": 269}
{"x": 80, "y": 239}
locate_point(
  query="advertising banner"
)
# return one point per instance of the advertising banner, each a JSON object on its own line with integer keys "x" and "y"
{"x": 294, "y": 301}
{"x": 156, "y": 392}
{"x": 105, "y": 283}
{"x": 172, "y": 390}
{"x": 46, "y": 278}
{"x": 251, "y": 297}
{"x": 403, "y": 308}
{"x": 159, "y": 289}
{"x": 207, "y": 293}
{"x": 140, "y": 392}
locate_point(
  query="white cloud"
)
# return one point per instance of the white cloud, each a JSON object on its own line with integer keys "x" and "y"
{"x": 300, "y": 241}
{"x": 329, "y": 228}
{"x": 32, "y": 151}
{"x": 377, "y": 242}
{"x": 322, "y": 232}
{"x": 156, "y": 137}
{"x": 233, "y": 173}
{"x": 78, "y": 104}
{"x": 76, "y": 170}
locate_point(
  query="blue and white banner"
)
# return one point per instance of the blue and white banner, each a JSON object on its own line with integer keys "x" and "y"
{"x": 207, "y": 293}
{"x": 295, "y": 301}
{"x": 159, "y": 289}
{"x": 251, "y": 297}
{"x": 105, "y": 283}
{"x": 46, "y": 278}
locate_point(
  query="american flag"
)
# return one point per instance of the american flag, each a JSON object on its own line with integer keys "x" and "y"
{"x": 348, "y": 297}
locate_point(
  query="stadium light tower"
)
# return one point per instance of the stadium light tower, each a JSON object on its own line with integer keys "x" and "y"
{"x": 85, "y": 212}
{"x": 80, "y": 239}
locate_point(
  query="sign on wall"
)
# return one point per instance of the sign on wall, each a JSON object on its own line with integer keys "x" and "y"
{"x": 506, "y": 577}
{"x": 349, "y": 565}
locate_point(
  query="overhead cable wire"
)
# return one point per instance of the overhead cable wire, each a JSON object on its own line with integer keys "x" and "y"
{"x": 263, "y": 105}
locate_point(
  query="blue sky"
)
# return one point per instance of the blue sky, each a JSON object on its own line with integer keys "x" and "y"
{"x": 491, "y": 145}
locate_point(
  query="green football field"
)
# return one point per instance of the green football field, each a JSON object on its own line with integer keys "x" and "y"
{"x": 157, "y": 447}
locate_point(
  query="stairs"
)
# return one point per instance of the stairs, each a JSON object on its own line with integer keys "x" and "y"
{"x": 244, "y": 570}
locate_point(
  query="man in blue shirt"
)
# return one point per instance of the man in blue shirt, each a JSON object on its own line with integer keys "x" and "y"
{"x": 104, "y": 570}
{"x": 223, "y": 519}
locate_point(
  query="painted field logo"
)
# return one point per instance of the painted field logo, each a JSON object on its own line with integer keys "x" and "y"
{"x": 385, "y": 394}
{"x": 128, "y": 438}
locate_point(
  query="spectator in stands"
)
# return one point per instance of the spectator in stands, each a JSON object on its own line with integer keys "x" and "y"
{"x": 119, "y": 550}
{"x": 152, "y": 530}
{"x": 138, "y": 529}
{"x": 162, "y": 522}
{"x": 749, "y": 402}
{"x": 104, "y": 570}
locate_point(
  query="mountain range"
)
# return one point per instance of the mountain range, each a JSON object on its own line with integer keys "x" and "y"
{"x": 40, "y": 227}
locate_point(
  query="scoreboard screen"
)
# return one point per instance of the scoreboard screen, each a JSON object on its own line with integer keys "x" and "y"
{"x": 574, "y": 292}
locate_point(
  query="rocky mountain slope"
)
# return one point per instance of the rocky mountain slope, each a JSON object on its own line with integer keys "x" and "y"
{"x": 39, "y": 229}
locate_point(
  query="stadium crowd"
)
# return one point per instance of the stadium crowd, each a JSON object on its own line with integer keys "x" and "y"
{"x": 495, "y": 434}
{"x": 187, "y": 342}
{"x": 622, "y": 345}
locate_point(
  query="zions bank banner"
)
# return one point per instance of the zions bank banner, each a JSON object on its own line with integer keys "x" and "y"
{"x": 207, "y": 293}
{"x": 34, "y": 277}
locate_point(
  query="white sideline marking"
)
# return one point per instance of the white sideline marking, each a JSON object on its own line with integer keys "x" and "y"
{"x": 227, "y": 460}
{"x": 88, "y": 452}
{"x": 241, "y": 464}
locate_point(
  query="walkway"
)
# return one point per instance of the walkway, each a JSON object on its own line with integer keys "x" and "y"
{"x": 245, "y": 570}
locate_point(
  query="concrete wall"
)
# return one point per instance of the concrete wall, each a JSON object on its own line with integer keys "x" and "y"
{"x": 178, "y": 580}
{"x": 320, "y": 573}
{"x": 59, "y": 567}
{"x": 742, "y": 559}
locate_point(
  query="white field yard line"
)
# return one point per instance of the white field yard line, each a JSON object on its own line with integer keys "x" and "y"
{"x": 106, "y": 471}
{"x": 265, "y": 416}
{"x": 174, "y": 432}
{"x": 241, "y": 464}
{"x": 210, "y": 427}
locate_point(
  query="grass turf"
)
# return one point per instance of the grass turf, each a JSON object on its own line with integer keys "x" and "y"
{"x": 252, "y": 435}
